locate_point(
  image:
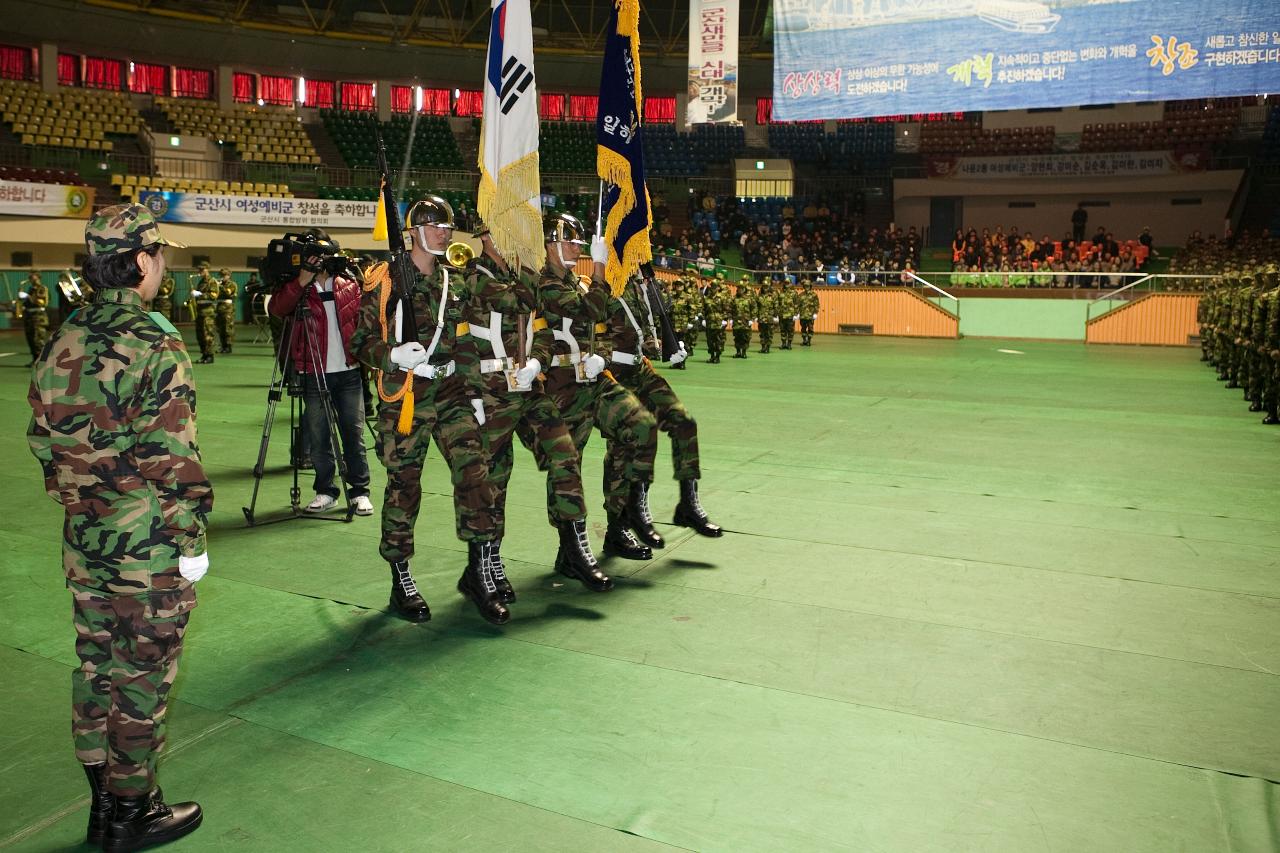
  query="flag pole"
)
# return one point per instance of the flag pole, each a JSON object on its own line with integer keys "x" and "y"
{"x": 600, "y": 210}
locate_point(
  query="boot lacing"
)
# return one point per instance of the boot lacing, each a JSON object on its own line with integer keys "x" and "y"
{"x": 583, "y": 543}
{"x": 486, "y": 568}
{"x": 642, "y": 503}
{"x": 695, "y": 505}
{"x": 404, "y": 580}
{"x": 498, "y": 570}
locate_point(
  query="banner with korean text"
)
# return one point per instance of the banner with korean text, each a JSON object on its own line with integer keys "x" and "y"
{"x": 253, "y": 210}
{"x": 837, "y": 59}
{"x": 713, "y": 61}
{"x": 20, "y": 198}
{"x": 1120, "y": 164}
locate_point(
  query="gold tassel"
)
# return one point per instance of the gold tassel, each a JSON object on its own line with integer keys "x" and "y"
{"x": 405, "y": 422}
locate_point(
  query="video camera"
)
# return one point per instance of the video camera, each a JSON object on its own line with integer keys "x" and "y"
{"x": 313, "y": 249}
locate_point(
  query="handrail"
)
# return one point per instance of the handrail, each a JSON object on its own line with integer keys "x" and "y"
{"x": 932, "y": 285}
{"x": 1112, "y": 294}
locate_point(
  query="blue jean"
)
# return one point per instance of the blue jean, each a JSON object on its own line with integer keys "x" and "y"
{"x": 348, "y": 405}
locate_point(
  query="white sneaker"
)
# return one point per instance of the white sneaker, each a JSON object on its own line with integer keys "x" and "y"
{"x": 322, "y": 503}
{"x": 363, "y": 505}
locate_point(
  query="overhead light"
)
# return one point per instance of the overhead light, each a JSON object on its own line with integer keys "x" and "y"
{"x": 302, "y": 89}
{"x": 261, "y": 102}
{"x": 175, "y": 141}
{"x": 417, "y": 99}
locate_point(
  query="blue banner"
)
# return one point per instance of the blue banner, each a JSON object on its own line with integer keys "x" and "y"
{"x": 856, "y": 58}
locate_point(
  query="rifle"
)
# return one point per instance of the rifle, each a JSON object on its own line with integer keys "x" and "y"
{"x": 662, "y": 317}
{"x": 402, "y": 269}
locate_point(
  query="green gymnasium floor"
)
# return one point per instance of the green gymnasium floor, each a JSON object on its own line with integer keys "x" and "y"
{"x": 969, "y": 600}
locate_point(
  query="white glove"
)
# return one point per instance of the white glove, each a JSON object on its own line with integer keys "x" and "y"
{"x": 680, "y": 355}
{"x": 815, "y": 316}
{"x": 599, "y": 250}
{"x": 775, "y": 319}
{"x": 408, "y": 356}
{"x": 425, "y": 370}
{"x": 193, "y": 568}
{"x": 593, "y": 365}
{"x": 528, "y": 373}
{"x": 22, "y": 294}
{"x": 795, "y": 316}
{"x": 478, "y": 405}
{"x": 197, "y": 293}
{"x": 704, "y": 324}
{"x": 724, "y": 324}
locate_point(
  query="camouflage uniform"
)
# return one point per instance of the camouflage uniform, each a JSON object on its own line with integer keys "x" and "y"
{"x": 743, "y": 311}
{"x": 441, "y": 410}
{"x": 163, "y": 302}
{"x": 227, "y": 293}
{"x": 35, "y": 315}
{"x": 788, "y": 312}
{"x": 808, "y": 305}
{"x": 767, "y": 314}
{"x": 715, "y": 317}
{"x": 1271, "y": 357}
{"x": 205, "y": 303}
{"x": 686, "y": 312}
{"x": 118, "y": 450}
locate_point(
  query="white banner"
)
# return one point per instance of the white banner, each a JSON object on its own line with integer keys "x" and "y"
{"x": 1112, "y": 164}
{"x": 252, "y": 210}
{"x": 19, "y": 198}
{"x": 713, "y": 61}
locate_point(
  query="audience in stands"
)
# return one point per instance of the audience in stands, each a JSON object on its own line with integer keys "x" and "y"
{"x": 1210, "y": 255}
{"x": 1101, "y": 261}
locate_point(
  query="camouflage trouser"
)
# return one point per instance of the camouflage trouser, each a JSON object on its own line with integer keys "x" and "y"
{"x": 204, "y": 328}
{"x": 226, "y": 317}
{"x": 625, "y": 423}
{"x": 540, "y": 426}
{"x": 36, "y": 325}
{"x": 766, "y": 336}
{"x": 128, "y": 647}
{"x": 742, "y": 338}
{"x": 715, "y": 340}
{"x": 452, "y": 422}
{"x": 673, "y": 419}
{"x": 786, "y": 331}
{"x": 806, "y": 331}
{"x": 1206, "y": 344}
{"x": 691, "y": 337}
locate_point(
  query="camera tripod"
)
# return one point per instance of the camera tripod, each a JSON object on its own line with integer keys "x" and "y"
{"x": 285, "y": 379}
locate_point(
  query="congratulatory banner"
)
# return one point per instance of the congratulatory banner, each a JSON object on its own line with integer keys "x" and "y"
{"x": 854, "y": 58}
{"x": 253, "y": 210}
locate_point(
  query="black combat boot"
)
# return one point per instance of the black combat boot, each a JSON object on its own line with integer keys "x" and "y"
{"x": 689, "y": 512}
{"x": 639, "y": 517}
{"x": 576, "y": 561}
{"x": 505, "y": 592}
{"x": 1272, "y": 417}
{"x": 476, "y": 584}
{"x": 1255, "y": 405}
{"x": 679, "y": 366}
{"x": 405, "y": 600}
{"x": 138, "y": 822}
{"x": 207, "y": 358}
{"x": 621, "y": 542}
{"x": 100, "y": 803}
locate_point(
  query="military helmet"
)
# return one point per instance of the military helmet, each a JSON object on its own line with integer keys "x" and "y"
{"x": 224, "y": 271}
{"x": 563, "y": 228}
{"x": 429, "y": 210}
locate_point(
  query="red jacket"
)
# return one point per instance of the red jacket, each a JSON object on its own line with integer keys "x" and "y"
{"x": 346, "y": 296}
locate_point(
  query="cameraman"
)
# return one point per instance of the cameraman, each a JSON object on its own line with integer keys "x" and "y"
{"x": 321, "y": 354}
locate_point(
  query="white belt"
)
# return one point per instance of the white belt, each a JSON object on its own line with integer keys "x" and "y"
{"x": 623, "y": 357}
{"x": 566, "y": 360}
{"x": 494, "y": 365}
{"x": 227, "y": 301}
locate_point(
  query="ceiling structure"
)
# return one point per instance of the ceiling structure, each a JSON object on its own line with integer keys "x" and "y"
{"x": 569, "y": 26}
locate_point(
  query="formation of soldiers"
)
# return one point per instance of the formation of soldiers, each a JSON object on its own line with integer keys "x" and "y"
{"x": 213, "y": 304}
{"x": 708, "y": 306}
{"x": 1240, "y": 334}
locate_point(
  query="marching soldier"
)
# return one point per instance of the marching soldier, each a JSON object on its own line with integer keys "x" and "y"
{"x": 715, "y": 317}
{"x": 1271, "y": 355}
{"x": 690, "y": 304}
{"x": 228, "y": 291}
{"x": 586, "y": 396}
{"x": 163, "y": 302}
{"x": 808, "y": 304}
{"x": 788, "y": 313}
{"x": 743, "y": 310}
{"x": 119, "y": 452}
{"x": 35, "y": 314}
{"x": 633, "y": 337}
{"x": 447, "y": 405}
{"x": 204, "y": 294}
{"x": 767, "y": 314}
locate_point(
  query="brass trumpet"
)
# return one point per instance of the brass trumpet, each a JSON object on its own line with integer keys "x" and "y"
{"x": 459, "y": 254}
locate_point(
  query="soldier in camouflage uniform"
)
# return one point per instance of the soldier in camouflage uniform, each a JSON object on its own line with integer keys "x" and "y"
{"x": 1270, "y": 352}
{"x": 715, "y": 317}
{"x": 35, "y": 314}
{"x": 807, "y": 303}
{"x": 114, "y": 429}
{"x": 511, "y": 344}
{"x": 163, "y": 303}
{"x": 586, "y": 395}
{"x": 766, "y": 314}
{"x": 204, "y": 292}
{"x": 228, "y": 292}
{"x": 687, "y": 314}
{"x": 633, "y": 341}
{"x": 1204, "y": 312}
{"x": 448, "y": 405}
{"x": 1238, "y": 331}
{"x": 788, "y": 313}
{"x": 1256, "y": 355}
{"x": 743, "y": 311}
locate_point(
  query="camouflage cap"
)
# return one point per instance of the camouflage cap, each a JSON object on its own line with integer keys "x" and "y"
{"x": 123, "y": 228}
